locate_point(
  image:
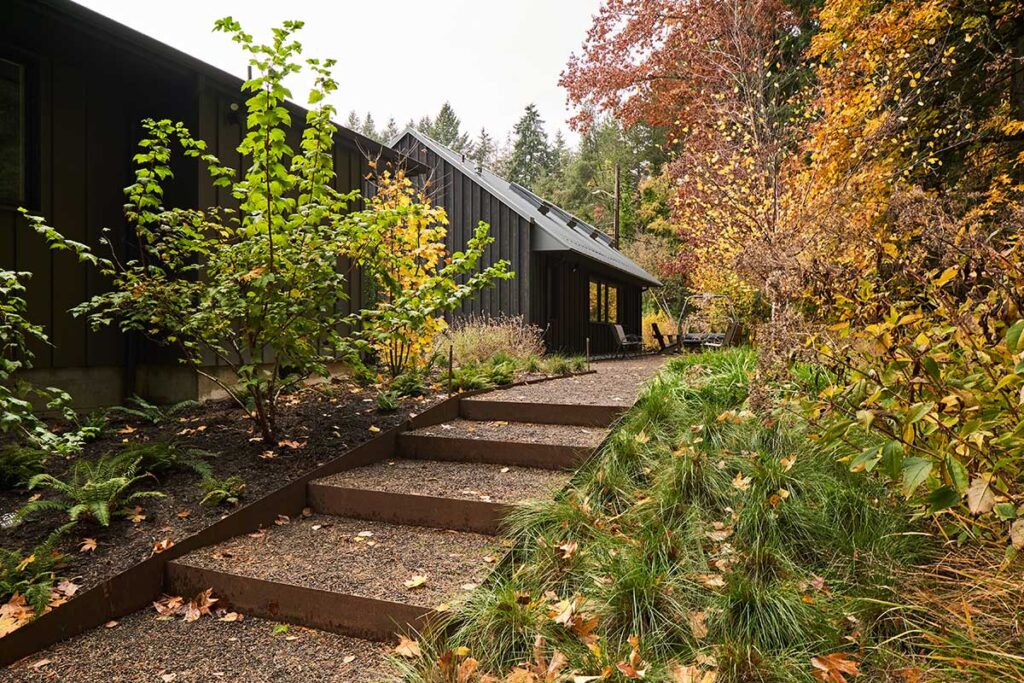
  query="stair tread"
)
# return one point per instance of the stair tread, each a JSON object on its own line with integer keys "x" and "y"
{"x": 322, "y": 552}
{"x": 516, "y": 432}
{"x": 484, "y": 482}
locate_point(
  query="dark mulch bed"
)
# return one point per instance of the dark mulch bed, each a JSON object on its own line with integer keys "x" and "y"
{"x": 324, "y": 422}
{"x": 461, "y": 480}
{"x": 520, "y": 432}
{"x": 614, "y": 382}
{"x": 143, "y": 648}
{"x": 369, "y": 559}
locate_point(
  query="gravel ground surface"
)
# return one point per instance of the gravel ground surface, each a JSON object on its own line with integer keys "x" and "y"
{"x": 520, "y": 432}
{"x": 316, "y": 426}
{"x": 142, "y": 648}
{"x": 615, "y": 383}
{"x": 461, "y": 480}
{"x": 369, "y": 559}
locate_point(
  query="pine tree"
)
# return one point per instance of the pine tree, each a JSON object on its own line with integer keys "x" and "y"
{"x": 485, "y": 150}
{"x": 369, "y": 128}
{"x": 425, "y": 125}
{"x": 531, "y": 152}
{"x": 445, "y": 129}
{"x": 390, "y": 131}
{"x": 353, "y": 122}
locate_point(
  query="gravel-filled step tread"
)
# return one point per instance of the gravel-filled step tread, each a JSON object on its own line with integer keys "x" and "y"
{"x": 458, "y": 480}
{"x": 517, "y": 432}
{"x": 357, "y": 557}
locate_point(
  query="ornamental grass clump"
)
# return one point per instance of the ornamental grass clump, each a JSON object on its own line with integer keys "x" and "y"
{"x": 702, "y": 539}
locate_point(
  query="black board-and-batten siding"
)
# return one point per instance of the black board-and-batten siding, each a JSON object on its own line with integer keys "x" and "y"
{"x": 88, "y": 84}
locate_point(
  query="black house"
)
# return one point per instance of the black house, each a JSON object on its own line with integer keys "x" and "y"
{"x": 570, "y": 279}
{"x": 74, "y": 87}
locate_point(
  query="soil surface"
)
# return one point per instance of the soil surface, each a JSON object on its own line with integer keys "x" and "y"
{"x": 459, "y": 480}
{"x": 316, "y": 425}
{"x": 614, "y": 383}
{"x": 520, "y": 432}
{"x": 368, "y": 559}
{"x": 143, "y": 648}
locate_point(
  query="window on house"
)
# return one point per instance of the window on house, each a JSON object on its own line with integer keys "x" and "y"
{"x": 12, "y": 133}
{"x": 604, "y": 302}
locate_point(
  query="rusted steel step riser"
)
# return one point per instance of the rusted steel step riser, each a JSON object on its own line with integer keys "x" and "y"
{"x": 543, "y": 456}
{"x": 542, "y": 413}
{"x": 400, "y": 508}
{"x": 349, "y": 615}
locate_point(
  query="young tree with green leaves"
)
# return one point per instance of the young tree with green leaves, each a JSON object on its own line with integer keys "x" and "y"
{"x": 257, "y": 288}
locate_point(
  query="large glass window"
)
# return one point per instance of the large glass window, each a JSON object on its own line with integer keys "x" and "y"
{"x": 604, "y": 302}
{"x": 12, "y": 133}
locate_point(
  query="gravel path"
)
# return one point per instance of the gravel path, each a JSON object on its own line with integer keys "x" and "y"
{"x": 615, "y": 383}
{"x": 142, "y": 648}
{"x": 460, "y": 480}
{"x": 520, "y": 432}
{"x": 369, "y": 559}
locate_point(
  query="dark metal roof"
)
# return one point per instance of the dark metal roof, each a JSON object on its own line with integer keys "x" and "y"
{"x": 560, "y": 230}
{"x": 89, "y": 20}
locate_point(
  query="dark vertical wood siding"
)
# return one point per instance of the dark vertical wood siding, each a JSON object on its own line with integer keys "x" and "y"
{"x": 467, "y": 203}
{"x": 91, "y": 89}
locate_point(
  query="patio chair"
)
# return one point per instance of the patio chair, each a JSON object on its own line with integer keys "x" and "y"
{"x": 666, "y": 342}
{"x": 626, "y": 342}
{"x": 728, "y": 338}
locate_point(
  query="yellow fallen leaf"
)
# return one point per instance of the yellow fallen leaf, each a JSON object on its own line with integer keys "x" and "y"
{"x": 408, "y": 648}
{"x": 416, "y": 582}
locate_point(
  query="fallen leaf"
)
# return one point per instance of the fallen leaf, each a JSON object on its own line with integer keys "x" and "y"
{"x": 416, "y": 582}
{"x": 568, "y": 549}
{"x": 698, "y": 625}
{"x": 283, "y": 520}
{"x": 504, "y": 470}
{"x": 307, "y": 512}
{"x": 67, "y": 588}
{"x": 168, "y": 678}
{"x": 408, "y": 648}
{"x": 268, "y": 455}
{"x": 349, "y": 659}
{"x": 469, "y": 586}
{"x": 788, "y": 462}
{"x": 693, "y": 674}
{"x": 40, "y": 664}
{"x": 374, "y": 428}
{"x": 291, "y": 443}
{"x": 199, "y": 605}
{"x": 161, "y": 546}
{"x": 740, "y": 482}
{"x": 136, "y": 515}
{"x": 832, "y": 667}
{"x": 111, "y": 624}
{"x": 88, "y": 545}
{"x": 231, "y": 617}
{"x": 184, "y": 513}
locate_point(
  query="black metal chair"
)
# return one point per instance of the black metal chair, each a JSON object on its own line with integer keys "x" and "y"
{"x": 627, "y": 342}
{"x": 666, "y": 342}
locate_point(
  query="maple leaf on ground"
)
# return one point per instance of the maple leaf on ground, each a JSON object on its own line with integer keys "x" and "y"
{"x": 831, "y": 668}
{"x": 169, "y": 605}
{"x": 633, "y": 667}
{"x": 408, "y": 648}
{"x": 88, "y": 545}
{"x": 67, "y": 588}
{"x": 693, "y": 674}
{"x": 200, "y": 605}
{"x": 161, "y": 546}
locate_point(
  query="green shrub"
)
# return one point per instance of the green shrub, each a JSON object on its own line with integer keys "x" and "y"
{"x": 162, "y": 457}
{"x": 409, "y": 383}
{"x": 142, "y": 409}
{"x": 18, "y": 464}
{"x": 227, "y": 491}
{"x": 33, "y": 574}
{"x": 388, "y": 401}
{"x": 96, "y": 489}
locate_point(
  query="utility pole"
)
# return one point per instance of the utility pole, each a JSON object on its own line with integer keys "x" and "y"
{"x": 618, "y": 203}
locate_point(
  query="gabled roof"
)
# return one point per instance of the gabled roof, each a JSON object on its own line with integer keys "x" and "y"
{"x": 560, "y": 230}
{"x": 85, "y": 19}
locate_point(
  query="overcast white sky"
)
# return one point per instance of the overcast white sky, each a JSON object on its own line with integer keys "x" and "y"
{"x": 400, "y": 58}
